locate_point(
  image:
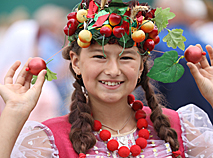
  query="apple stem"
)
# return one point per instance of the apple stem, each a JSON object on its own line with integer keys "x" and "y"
{"x": 143, "y": 53}
{"x": 123, "y": 46}
{"x": 179, "y": 59}
{"x": 103, "y": 46}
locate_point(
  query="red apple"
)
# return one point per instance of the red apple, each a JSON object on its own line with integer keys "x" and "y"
{"x": 156, "y": 39}
{"x": 149, "y": 45}
{"x": 138, "y": 36}
{"x": 114, "y": 19}
{"x": 193, "y": 54}
{"x": 68, "y": 31}
{"x": 36, "y": 65}
{"x": 118, "y": 31}
{"x": 106, "y": 30}
{"x": 72, "y": 24}
{"x": 153, "y": 33}
{"x": 72, "y": 15}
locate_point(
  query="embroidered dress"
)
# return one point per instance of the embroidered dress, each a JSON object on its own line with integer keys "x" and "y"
{"x": 196, "y": 138}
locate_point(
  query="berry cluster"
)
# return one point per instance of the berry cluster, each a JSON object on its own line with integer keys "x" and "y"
{"x": 133, "y": 26}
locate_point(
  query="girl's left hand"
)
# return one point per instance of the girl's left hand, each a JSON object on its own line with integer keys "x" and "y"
{"x": 203, "y": 74}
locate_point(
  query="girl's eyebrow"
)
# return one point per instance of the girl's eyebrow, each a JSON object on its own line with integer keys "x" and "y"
{"x": 129, "y": 52}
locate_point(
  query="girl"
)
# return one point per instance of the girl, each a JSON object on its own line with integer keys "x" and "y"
{"x": 101, "y": 122}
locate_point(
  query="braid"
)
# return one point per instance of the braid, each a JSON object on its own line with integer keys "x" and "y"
{"x": 160, "y": 121}
{"x": 80, "y": 116}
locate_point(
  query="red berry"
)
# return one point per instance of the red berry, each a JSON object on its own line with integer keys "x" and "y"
{"x": 69, "y": 31}
{"x": 97, "y": 125}
{"x": 82, "y": 155}
{"x": 154, "y": 32}
{"x": 135, "y": 150}
{"x": 106, "y": 30}
{"x": 156, "y": 39}
{"x": 27, "y": 69}
{"x": 141, "y": 142}
{"x": 114, "y": 19}
{"x": 131, "y": 98}
{"x": 149, "y": 45}
{"x": 105, "y": 135}
{"x": 140, "y": 114}
{"x": 193, "y": 54}
{"x": 36, "y": 65}
{"x": 137, "y": 105}
{"x": 112, "y": 145}
{"x": 118, "y": 31}
{"x": 144, "y": 133}
{"x": 72, "y": 24}
{"x": 123, "y": 151}
{"x": 72, "y": 15}
{"x": 142, "y": 123}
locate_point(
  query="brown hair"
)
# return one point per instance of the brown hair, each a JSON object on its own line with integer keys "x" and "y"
{"x": 82, "y": 122}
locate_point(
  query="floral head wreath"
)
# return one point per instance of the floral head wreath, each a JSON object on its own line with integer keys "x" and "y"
{"x": 128, "y": 24}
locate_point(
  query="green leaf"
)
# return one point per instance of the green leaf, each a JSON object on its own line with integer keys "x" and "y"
{"x": 50, "y": 75}
{"x": 161, "y": 18}
{"x": 175, "y": 39}
{"x": 33, "y": 79}
{"x": 166, "y": 69}
{"x": 126, "y": 37}
{"x": 98, "y": 37}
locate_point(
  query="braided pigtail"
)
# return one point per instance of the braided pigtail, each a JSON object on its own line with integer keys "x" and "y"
{"x": 80, "y": 116}
{"x": 160, "y": 121}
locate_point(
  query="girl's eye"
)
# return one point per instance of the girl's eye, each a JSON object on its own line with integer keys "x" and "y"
{"x": 126, "y": 58}
{"x": 99, "y": 56}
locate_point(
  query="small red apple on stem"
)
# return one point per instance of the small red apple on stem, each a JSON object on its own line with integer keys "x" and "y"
{"x": 114, "y": 19}
{"x": 72, "y": 15}
{"x": 36, "y": 65}
{"x": 118, "y": 31}
{"x": 106, "y": 30}
{"x": 193, "y": 54}
{"x": 149, "y": 45}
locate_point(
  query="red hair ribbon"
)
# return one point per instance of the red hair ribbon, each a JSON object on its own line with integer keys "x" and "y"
{"x": 176, "y": 153}
{"x": 82, "y": 155}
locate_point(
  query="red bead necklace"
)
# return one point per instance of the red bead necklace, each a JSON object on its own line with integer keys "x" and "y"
{"x": 143, "y": 135}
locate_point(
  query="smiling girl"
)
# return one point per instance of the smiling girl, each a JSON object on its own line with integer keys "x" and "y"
{"x": 105, "y": 120}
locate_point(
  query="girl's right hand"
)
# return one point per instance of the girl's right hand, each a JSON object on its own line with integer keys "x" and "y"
{"x": 19, "y": 96}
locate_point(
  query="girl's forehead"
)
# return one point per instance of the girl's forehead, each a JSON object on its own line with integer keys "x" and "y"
{"x": 111, "y": 49}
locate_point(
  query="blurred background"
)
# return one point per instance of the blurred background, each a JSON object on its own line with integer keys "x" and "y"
{"x": 30, "y": 28}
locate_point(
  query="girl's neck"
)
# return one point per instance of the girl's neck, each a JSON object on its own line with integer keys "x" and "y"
{"x": 114, "y": 115}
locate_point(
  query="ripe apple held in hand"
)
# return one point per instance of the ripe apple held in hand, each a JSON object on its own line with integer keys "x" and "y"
{"x": 193, "y": 54}
{"x": 36, "y": 65}
{"x": 85, "y": 36}
{"x": 118, "y": 31}
{"x": 138, "y": 36}
{"x": 106, "y": 30}
{"x": 114, "y": 19}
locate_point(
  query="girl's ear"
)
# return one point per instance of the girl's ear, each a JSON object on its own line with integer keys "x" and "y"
{"x": 142, "y": 66}
{"x": 75, "y": 62}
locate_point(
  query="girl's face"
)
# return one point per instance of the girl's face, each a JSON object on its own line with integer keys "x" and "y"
{"x": 108, "y": 79}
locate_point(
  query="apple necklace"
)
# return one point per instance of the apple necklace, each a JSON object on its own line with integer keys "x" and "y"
{"x": 143, "y": 135}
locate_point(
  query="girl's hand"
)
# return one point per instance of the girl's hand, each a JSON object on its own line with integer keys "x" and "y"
{"x": 19, "y": 96}
{"x": 203, "y": 75}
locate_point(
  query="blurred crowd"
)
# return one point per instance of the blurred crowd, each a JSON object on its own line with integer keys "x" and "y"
{"x": 23, "y": 36}
{"x": 41, "y": 35}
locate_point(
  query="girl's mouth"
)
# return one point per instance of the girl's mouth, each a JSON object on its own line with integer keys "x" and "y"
{"x": 109, "y": 83}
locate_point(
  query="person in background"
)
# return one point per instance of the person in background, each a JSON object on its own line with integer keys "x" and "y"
{"x": 185, "y": 90}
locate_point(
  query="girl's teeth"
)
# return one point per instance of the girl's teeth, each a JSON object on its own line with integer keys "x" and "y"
{"x": 110, "y": 83}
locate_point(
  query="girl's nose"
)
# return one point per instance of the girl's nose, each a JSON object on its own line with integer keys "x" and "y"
{"x": 113, "y": 69}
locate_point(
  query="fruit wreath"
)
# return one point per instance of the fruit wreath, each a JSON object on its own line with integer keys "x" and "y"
{"x": 128, "y": 24}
